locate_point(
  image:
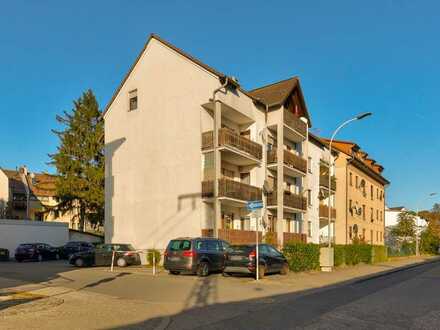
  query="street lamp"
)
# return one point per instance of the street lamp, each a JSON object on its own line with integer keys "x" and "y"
{"x": 417, "y": 223}
{"x": 358, "y": 117}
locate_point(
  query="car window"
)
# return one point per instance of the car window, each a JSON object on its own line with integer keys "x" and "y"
{"x": 225, "y": 245}
{"x": 273, "y": 251}
{"x": 200, "y": 245}
{"x": 180, "y": 245}
{"x": 263, "y": 250}
{"x": 213, "y": 245}
{"x": 26, "y": 246}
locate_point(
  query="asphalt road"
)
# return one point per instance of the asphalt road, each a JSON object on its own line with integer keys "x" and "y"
{"x": 404, "y": 300}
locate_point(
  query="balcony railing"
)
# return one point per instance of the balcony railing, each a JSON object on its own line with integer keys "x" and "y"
{"x": 323, "y": 181}
{"x": 294, "y": 237}
{"x": 290, "y": 159}
{"x": 323, "y": 211}
{"x": 19, "y": 205}
{"x": 290, "y": 200}
{"x": 229, "y": 138}
{"x": 295, "y": 123}
{"x": 232, "y": 189}
{"x": 234, "y": 236}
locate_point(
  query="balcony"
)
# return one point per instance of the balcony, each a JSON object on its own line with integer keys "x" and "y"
{"x": 19, "y": 205}
{"x": 323, "y": 211}
{"x": 230, "y": 139}
{"x": 232, "y": 189}
{"x": 295, "y": 123}
{"x": 235, "y": 236}
{"x": 294, "y": 237}
{"x": 290, "y": 160}
{"x": 323, "y": 181}
{"x": 290, "y": 200}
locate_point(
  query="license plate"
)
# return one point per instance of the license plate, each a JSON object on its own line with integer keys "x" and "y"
{"x": 174, "y": 258}
{"x": 235, "y": 258}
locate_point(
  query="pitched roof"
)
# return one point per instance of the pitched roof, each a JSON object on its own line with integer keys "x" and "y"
{"x": 208, "y": 68}
{"x": 396, "y": 208}
{"x": 317, "y": 140}
{"x": 44, "y": 184}
{"x": 15, "y": 183}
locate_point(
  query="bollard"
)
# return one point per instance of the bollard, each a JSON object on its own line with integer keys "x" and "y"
{"x": 113, "y": 261}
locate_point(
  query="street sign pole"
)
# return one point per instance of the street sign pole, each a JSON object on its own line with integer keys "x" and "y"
{"x": 255, "y": 207}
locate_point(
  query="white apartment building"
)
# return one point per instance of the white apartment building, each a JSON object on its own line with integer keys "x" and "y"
{"x": 186, "y": 147}
{"x": 392, "y": 217}
{"x": 318, "y": 192}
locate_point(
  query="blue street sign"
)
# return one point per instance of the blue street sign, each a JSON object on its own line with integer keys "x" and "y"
{"x": 254, "y": 205}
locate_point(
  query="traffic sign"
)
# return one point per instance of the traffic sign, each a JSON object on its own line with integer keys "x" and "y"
{"x": 254, "y": 205}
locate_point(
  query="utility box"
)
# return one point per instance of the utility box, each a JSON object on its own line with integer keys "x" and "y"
{"x": 326, "y": 259}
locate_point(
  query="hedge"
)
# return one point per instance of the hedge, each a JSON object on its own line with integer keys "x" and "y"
{"x": 302, "y": 256}
{"x": 379, "y": 253}
{"x": 339, "y": 258}
{"x": 354, "y": 254}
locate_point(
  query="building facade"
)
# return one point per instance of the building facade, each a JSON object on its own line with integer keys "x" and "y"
{"x": 319, "y": 192}
{"x": 360, "y": 196}
{"x": 186, "y": 147}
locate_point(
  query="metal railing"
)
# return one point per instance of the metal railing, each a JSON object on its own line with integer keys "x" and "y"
{"x": 323, "y": 211}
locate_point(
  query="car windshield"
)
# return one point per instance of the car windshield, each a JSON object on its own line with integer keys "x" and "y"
{"x": 180, "y": 245}
{"x": 26, "y": 246}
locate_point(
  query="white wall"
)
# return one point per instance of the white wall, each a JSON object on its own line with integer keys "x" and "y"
{"x": 75, "y": 235}
{"x": 391, "y": 219}
{"x": 15, "y": 232}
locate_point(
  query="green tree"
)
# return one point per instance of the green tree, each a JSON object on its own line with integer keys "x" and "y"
{"x": 79, "y": 161}
{"x": 406, "y": 226}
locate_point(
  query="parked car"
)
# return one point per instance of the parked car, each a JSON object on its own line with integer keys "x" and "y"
{"x": 242, "y": 259}
{"x": 4, "y": 254}
{"x": 36, "y": 251}
{"x": 195, "y": 255}
{"x": 102, "y": 255}
{"x": 74, "y": 247}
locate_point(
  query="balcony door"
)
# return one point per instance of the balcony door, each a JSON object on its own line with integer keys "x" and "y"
{"x": 245, "y": 177}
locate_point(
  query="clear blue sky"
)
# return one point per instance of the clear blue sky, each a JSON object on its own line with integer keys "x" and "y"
{"x": 351, "y": 56}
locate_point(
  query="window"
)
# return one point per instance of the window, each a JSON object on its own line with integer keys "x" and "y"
{"x": 371, "y": 236}
{"x": 372, "y": 192}
{"x": 377, "y": 193}
{"x": 350, "y": 206}
{"x": 363, "y": 212}
{"x": 351, "y": 179}
{"x": 381, "y": 195}
{"x": 227, "y": 173}
{"x": 381, "y": 216}
{"x": 309, "y": 165}
{"x": 377, "y": 236}
{"x": 245, "y": 178}
{"x": 357, "y": 181}
{"x": 372, "y": 214}
{"x": 133, "y": 100}
{"x": 377, "y": 215}
{"x": 364, "y": 233}
{"x": 350, "y": 232}
{"x": 309, "y": 197}
{"x": 309, "y": 229}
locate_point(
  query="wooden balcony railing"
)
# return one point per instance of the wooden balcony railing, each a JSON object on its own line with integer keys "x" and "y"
{"x": 234, "y": 236}
{"x": 323, "y": 211}
{"x": 230, "y": 138}
{"x": 294, "y": 237}
{"x": 323, "y": 181}
{"x": 290, "y": 159}
{"x": 290, "y": 200}
{"x": 19, "y": 205}
{"x": 232, "y": 189}
{"x": 295, "y": 123}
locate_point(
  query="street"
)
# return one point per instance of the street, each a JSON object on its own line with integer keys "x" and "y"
{"x": 135, "y": 299}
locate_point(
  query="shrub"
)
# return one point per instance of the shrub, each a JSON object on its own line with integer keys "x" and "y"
{"x": 379, "y": 253}
{"x": 302, "y": 256}
{"x": 429, "y": 242}
{"x": 339, "y": 255}
{"x": 150, "y": 256}
{"x": 357, "y": 253}
{"x": 270, "y": 238}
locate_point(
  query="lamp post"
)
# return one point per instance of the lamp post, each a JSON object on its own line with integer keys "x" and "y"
{"x": 417, "y": 223}
{"x": 358, "y": 117}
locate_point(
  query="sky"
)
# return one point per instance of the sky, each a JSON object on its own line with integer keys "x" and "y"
{"x": 351, "y": 57}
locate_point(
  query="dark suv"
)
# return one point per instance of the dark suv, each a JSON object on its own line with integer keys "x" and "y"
{"x": 195, "y": 255}
{"x": 241, "y": 259}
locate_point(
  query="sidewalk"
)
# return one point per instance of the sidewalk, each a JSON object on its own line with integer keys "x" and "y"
{"x": 56, "y": 307}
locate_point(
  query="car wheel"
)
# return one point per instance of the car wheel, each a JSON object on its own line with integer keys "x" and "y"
{"x": 203, "y": 269}
{"x": 261, "y": 272}
{"x": 79, "y": 262}
{"x": 121, "y": 262}
{"x": 40, "y": 258}
{"x": 173, "y": 272}
{"x": 285, "y": 269}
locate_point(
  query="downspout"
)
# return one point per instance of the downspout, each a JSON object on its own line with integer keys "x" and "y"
{"x": 215, "y": 143}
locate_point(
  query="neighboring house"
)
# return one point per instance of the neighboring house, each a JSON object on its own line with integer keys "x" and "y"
{"x": 179, "y": 163}
{"x": 360, "y": 196}
{"x": 26, "y": 195}
{"x": 318, "y": 192}
{"x": 392, "y": 217}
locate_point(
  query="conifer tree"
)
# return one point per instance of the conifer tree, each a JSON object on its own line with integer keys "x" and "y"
{"x": 79, "y": 161}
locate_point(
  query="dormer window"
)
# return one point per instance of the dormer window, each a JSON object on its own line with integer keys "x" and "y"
{"x": 133, "y": 100}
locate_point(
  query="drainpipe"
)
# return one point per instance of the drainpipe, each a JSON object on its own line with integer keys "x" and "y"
{"x": 216, "y": 158}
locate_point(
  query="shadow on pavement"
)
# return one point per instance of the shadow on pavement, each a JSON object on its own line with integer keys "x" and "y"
{"x": 104, "y": 280}
{"x": 281, "y": 311}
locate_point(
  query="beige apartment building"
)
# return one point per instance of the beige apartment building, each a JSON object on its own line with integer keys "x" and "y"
{"x": 186, "y": 147}
{"x": 360, "y": 196}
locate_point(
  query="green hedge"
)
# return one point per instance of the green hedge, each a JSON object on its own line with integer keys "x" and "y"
{"x": 339, "y": 255}
{"x": 379, "y": 253}
{"x": 354, "y": 254}
{"x": 302, "y": 256}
